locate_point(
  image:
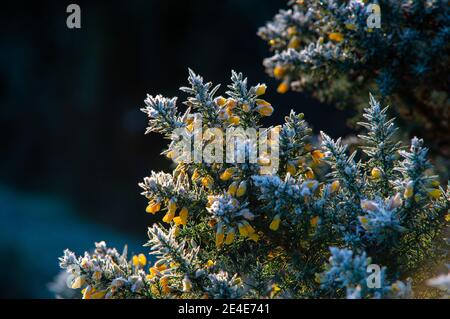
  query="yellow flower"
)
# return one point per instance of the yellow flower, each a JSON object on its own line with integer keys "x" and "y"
{"x": 265, "y": 110}
{"x": 314, "y": 221}
{"x": 228, "y": 173}
{"x": 220, "y": 100}
{"x": 190, "y": 127}
{"x": 336, "y": 36}
{"x": 291, "y": 168}
{"x": 254, "y": 237}
{"x": 195, "y": 175}
{"x": 283, "y": 87}
{"x": 279, "y": 71}
{"x": 375, "y": 173}
{"x": 219, "y": 237}
{"x": 139, "y": 260}
{"x": 335, "y": 186}
{"x": 153, "y": 207}
{"x": 211, "y": 199}
{"x": 170, "y": 154}
{"x": 90, "y": 293}
{"x": 235, "y": 120}
{"x": 242, "y": 189}
{"x": 168, "y": 217}
{"x": 182, "y": 218}
{"x": 246, "y": 107}
{"x": 164, "y": 282}
{"x": 260, "y": 89}
{"x": 232, "y": 188}
{"x": 78, "y": 282}
{"x": 309, "y": 174}
{"x": 231, "y": 104}
{"x": 243, "y": 231}
{"x": 447, "y": 217}
{"x": 317, "y": 156}
{"x": 435, "y": 183}
{"x": 275, "y": 224}
{"x": 250, "y": 229}
{"x": 210, "y": 263}
{"x": 230, "y": 236}
{"x": 409, "y": 190}
{"x": 435, "y": 193}
{"x": 294, "y": 43}
{"x": 207, "y": 181}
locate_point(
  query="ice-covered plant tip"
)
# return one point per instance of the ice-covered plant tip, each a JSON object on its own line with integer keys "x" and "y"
{"x": 226, "y": 230}
{"x": 340, "y": 49}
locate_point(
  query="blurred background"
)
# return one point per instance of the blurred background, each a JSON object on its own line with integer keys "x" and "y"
{"x": 73, "y": 146}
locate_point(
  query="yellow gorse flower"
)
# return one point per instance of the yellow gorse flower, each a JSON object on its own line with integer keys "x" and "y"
{"x": 335, "y": 186}
{"x": 227, "y": 173}
{"x": 375, "y": 173}
{"x": 294, "y": 43}
{"x": 260, "y": 89}
{"x": 230, "y": 236}
{"x": 182, "y": 218}
{"x": 290, "y": 168}
{"x": 246, "y": 107}
{"x": 195, "y": 175}
{"x": 243, "y": 231}
{"x": 336, "y": 36}
{"x": 317, "y": 156}
{"x": 435, "y": 193}
{"x": 78, "y": 282}
{"x": 279, "y": 71}
{"x": 264, "y": 108}
{"x": 235, "y": 120}
{"x": 94, "y": 294}
{"x": 242, "y": 189}
{"x": 283, "y": 87}
{"x": 153, "y": 207}
{"x": 232, "y": 188}
{"x": 139, "y": 260}
{"x": 275, "y": 224}
{"x": 254, "y": 236}
{"x": 220, "y": 236}
{"x": 220, "y": 100}
{"x": 207, "y": 181}
{"x": 309, "y": 174}
{"x": 314, "y": 221}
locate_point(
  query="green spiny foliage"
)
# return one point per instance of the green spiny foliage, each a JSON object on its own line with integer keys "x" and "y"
{"x": 229, "y": 231}
{"x": 328, "y": 49}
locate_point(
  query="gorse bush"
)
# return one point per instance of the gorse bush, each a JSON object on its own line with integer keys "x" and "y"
{"x": 328, "y": 49}
{"x": 320, "y": 226}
